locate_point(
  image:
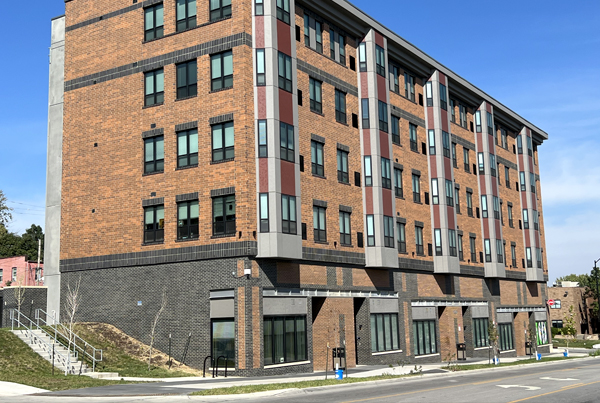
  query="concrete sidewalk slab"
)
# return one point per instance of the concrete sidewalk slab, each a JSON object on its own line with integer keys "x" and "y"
{"x": 16, "y": 389}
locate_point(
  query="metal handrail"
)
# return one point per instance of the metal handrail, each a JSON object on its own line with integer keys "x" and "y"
{"x": 33, "y": 338}
{"x": 74, "y": 338}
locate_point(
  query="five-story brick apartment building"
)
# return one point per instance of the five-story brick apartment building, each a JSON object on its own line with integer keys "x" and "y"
{"x": 294, "y": 177}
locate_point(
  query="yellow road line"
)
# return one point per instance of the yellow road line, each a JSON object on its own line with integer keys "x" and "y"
{"x": 564, "y": 389}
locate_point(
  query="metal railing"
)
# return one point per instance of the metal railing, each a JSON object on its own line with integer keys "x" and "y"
{"x": 78, "y": 344}
{"x": 23, "y": 321}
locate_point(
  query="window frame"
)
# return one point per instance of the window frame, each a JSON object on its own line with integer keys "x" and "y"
{"x": 437, "y": 242}
{"x": 368, "y": 170}
{"x": 398, "y": 186}
{"x": 370, "y": 230}
{"x": 189, "y": 21}
{"x": 317, "y": 158}
{"x": 284, "y": 65}
{"x": 190, "y": 87}
{"x": 158, "y": 163}
{"x": 449, "y": 193}
{"x": 224, "y": 81}
{"x": 506, "y": 336}
{"x": 383, "y": 116}
{"x": 416, "y": 187}
{"x": 487, "y": 247}
{"x": 365, "y": 113}
{"x": 188, "y": 225}
{"x": 289, "y": 225}
{"x": 409, "y": 87}
{"x": 419, "y": 241}
{"x": 386, "y": 173}
{"x": 480, "y": 332}
{"x": 263, "y": 210}
{"x": 155, "y": 97}
{"x": 220, "y": 13}
{"x": 473, "y": 249}
{"x": 228, "y": 151}
{"x": 316, "y": 95}
{"x": 388, "y": 232}
{"x": 425, "y": 344}
{"x": 158, "y": 228}
{"x": 401, "y": 229}
{"x": 285, "y": 149}
{"x": 388, "y": 337}
{"x": 229, "y": 224}
{"x": 340, "y": 107}
{"x": 261, "y": 74}
{"x": 263, "y": 139}
{"x": 380, "y": 60}
{"x": 412, "y": 130}
{"x": 189, "y": 158}
{"x": 158, "y": 31}
{"x": 342, "y": 161}
{"x": 298, "y": 341}
{"x": 345, "y": 228}
{"x": 320, "y": 223}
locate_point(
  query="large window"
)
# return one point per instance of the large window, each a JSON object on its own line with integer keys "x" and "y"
{"x": 484, "y": 206}
{"x": 187, "y": 148}
{"x": 505, "y": 332}
{"x": 220, "y": 9}
{"x": 398, "y": 183}
{"x": 461, "y": 255}
{"x": 416, "y": 188}
{"x": 528, "y": 257}
{"x": 284, "y": 339}
{"x": 395, "y": 130}
{"x": 412, "y": 129}
{"x": 288, "y": 215}
{"x": 513, "y": 255}
{"x": 419, "y": 241}
{"x": 368, "y": 173}
{"x": 493, "y": 165}
{"x": 259, "y": 7}
{"x": 370, "y": 230}
{"x": 340, "y": 106}
{"x": 338, "y": 54}
{"x": 264, "y": 212}
{"x": 186, "y": 14}
{"x": 263, "y": 150}
{"x": 286, "y": 134}
{"x": 342, "y": 166}
{"x": 409, "y": 87}
{"x": 154, "y": 155}
{"x": 261, "y": 77}
{"x": 153, "y": 22}
{"x": 186, "y": 79}
{"x": 496, "y": 207}
{"x": 443, "y": 97}
{"x": 488, "y": 250}
{"x": 386, "y": 174}
{"x": 452, "y": 111}
{"x": 365, "y": 113}
{"x": 473, "y": 250}
{"x": 223, "y": 341}
{"x": 520, "y": 144}
{"x": 424, "y": 337}
{"x": 222, "y": 142}
{"x": 449, "y": 193}
{"x": 187, "y": 220}
{"x": 457, "y": 200}
{"x": 507, "y": 176}
{"x": 452, "y": 242}
{"x": 499, "y": 251}
{"x": 316, "y": 100}
{"x": 435, "y": 191}
{"x": 384, "y": 332}
{"x": 283, "y": 10}
{"x": 154, "y": 224}
{"x": 394, "y": 78}
{"x": 481, "y": 165}
{"x": 319, "y": 224}
{"x": 437, "y": 237}
{"x": 383, "y": 116}
{"x": 454, "y": 157}
{"x": 380, "y": 60}
{"x": 446, "y": 143}
{"x": 463, "y": 115}
{"x": 401, "y": 228}
{"x": 154, "y": 87}
{"x": 345, "y": 237}
{"x": 388, "y": 231}
{"x": 431, "y": 141}
{"x": 362, "y": 57}
{"x": 285, "y": 72}
{"x": 525, "y": 219}
{"x": 221, "y": 71}
{"x": 480, "y": 332}
{"x": 224, "y": 215}
{"x": 316, "y": 155}
{"x": 466, "y": 160}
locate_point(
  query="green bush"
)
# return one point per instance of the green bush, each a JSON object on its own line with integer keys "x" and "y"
{"x": 555, "y": 331}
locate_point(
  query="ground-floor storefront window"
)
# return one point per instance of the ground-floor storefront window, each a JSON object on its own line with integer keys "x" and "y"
{"x": 223, "y": 341}
{"x": 384, "y": 332}
{"x": 424, "y": 337}
{"x": 505, "y": 332}
{"x": 542, "y": 332}
{"x": 480, "y": 332}
{"x": 284, "y": 339}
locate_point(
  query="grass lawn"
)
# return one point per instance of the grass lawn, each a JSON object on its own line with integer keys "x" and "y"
{"x": 468, "y": 367}
{"x": 575, "y": 343}
{"x": 19, "y": 363}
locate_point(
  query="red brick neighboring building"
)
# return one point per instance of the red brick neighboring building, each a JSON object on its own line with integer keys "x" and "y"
{"x": 295, "y": 177}
{"x": 19, "y": 271}
{"x": 566, "y": 296}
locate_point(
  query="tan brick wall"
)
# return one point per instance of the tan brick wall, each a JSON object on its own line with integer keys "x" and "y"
{"x": 294, "y": 273}
{"x": 371, "y": 278}
{"x": 521, "y": 326}
{"x": 430, "y": 285}
{"x": 256, "y": 328}
{"x": 241, "y": 328}
{"x": 447, "y": 331}
{"x": 508, "y": 292}
{"x": 471, "y": 287}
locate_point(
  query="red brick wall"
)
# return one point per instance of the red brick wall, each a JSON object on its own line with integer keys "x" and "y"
{"x": 25, "y": 271}
{"x": 326, "y": 330}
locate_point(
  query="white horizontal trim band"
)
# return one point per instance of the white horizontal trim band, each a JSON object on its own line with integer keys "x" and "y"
{"x": 287, "y": 364}
{"x": 387, "y": 352}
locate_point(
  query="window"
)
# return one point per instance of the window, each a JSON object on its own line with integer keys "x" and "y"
{"x": 536, "y": 220}
{"x": 496, "y": 207}
{"x": 452, "y": 111}
{"x": 285, "y": 72}
{"x": 284, "y": 339}
{"x": 286, "y": 134}
{"x": 187, "y": 148}
{"x": 345, "y": 237}
{"x": 513, "y": 255}
{"x": 338, "y": 54}
{"x": 538, "y": 253}
{"x": 493, "y": 165}
{"x": 186, "y": 14}
{"x": 395, "y": 130}
{"x": 401, "y": 228}
{"x": 503, "y": 137}
{"x": 466, "y": 159}
{"x": 431, "y": 140}
{"x": 319, "y": 36}
{"x": 220, "y": 9}
{"x": 154, "y": 225}
{"x": 386, "y": 174}
{"x": 187, "y": 80}
{"x": 412, "y": 129}
{"x": 221, "y": 71}
{"x": 449, "y": 193}
{"x": 507, "y": 176}
{"x": 365, "y": 113}
{"x": 223, "y": 340}
{"x": 429, "y": 93}
{"x": 259, "y": 7}
{"x": 510, "y": 216}
{"x": 306, "y": 30}
{"x": 154, "y": 88}
{"x": 520, "y": 144}
{"x": 316, "y": 155}
{"x": 446, "y": 143}
{"x": 224, "y": 215}
{"x": 154, "y": 155}
{"x": 488, "y": 250}
{"x": 473, "y": 250}
{"x": 435, "y": 193}
{"x": 409, "y": 87}
{"x": 222, "y": 142}
{"x": 416, "y": 187}
{"x": 457, "y": 200}
{"x": 394, "y": 79}
{"x": 288, "y": 215}
{"x": 362, "y": 57}
{"x": 153, "y": 22}
{"x": 505, "y": 332}
{"x": 424, "y": 337}
{"x": 384, "y": 332}
{"x": 342, "y": 166}
{"x": 480, "y": 332}
{"x": 490, "y": 124}
{"x": 260, "y": 67}
{"x": 522, "y": 179}
{"x": 470, "y": 204}
{"x": 478, "y": 121}
{"x": 529, "y": 147}
{"x": 319, "y": 224}
{"x": 481, "y": 163}
{"x": 437, "y": 235}
{"x": 1, "y": 275}
{"x": 388, "y": 231}
{"x": 398, "y": 183}
{"x": 463, "y": 115}
{"x": 264, "y": 212}
{"x": 454, "y": 158}
{"x": 443, "y": 97}
{"x": 461, "y": 255}
{"x": 419, "y": 241}
{"x": 14, "y": 274}
{"x": 499, "y": 250}
{"x": 262, "y": 139}
{"x": 557, "y": 304}
{"x": 484, "y": 206}
{"x": 370, "y": 230}
{"x": 340, "y": 106}
{"x": 383, "y": 116}
{"x": 532, "y": 181}
{"x": 187, "y": 220}
{"x": 557, "y": 323}
{"x": 316, "y": 103}
{"x": 368, "y": 174}
{"x": 380, "y": 60}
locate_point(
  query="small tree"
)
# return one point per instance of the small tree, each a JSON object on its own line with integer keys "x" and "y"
{"x": 5, "y": 211}
{"x": 19, "y": 292}
{"x": 493, "y": 339}
{"x": 532, "y": 338}
{"x": 569, "y": 329}
{"x": 72, "y": 302}
{"x": 163, "y": 304}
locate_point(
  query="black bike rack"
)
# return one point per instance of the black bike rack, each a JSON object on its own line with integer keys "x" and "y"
{"x": 204, "y": 367}
{"x": 216, "y": 367}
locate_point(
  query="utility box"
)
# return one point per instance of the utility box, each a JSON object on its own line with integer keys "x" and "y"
{"x": 528, "y": 348}
{"x": 339, "y": 358}
{"x": 461, "y": 352}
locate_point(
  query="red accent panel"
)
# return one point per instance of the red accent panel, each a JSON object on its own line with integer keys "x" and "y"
{"x": 482, "y": 187}
{"x": 533, "y": 201}
{"x": 436, "y": 216}
{"x": 486, "y": 228}
{"x": 494, "y": 187}
{"x": 445, "y": 121}
{"x": 381, "y": 90}
{"x": 498, "y": 232}
{"x": 284, "y": 38}
{"x": 447, "y": 169}
{"x": 364, "y": 85}
{"x": 442, "y": 79}
{"x": 379, "y": 39}
{"x": 528, "y": 242}
{"x": 262, "y": 102}
{"x": 451, "y": 221}
{"x": 286, "y": 107}
{"x": 384, "y": 145}
{"x": 288, "y": 178}
{"x": 369, "y": 199}
{"x": 488, "y": 107}
{"x": 430, "y": 121}
{"x": 479, "y": 137}
{"x": 367, "y": 142}
{"x": 433, "y": 163}
{"x": 263, "y": 174}
{"x": 259, "y": 31}
{"x": 388, "y": 210}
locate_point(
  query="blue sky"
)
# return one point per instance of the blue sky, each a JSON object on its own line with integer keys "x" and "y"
{"x": 539, "y": 58}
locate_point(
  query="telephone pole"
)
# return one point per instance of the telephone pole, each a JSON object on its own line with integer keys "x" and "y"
{"x": 37, "y": 270}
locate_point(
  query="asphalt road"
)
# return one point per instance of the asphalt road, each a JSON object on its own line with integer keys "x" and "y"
{"x": 576, "y": 381}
